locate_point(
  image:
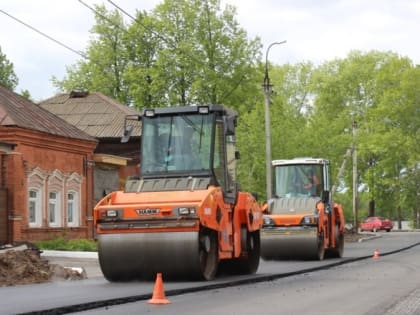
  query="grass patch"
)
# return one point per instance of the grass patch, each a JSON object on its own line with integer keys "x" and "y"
{"x": 81, "y": 245}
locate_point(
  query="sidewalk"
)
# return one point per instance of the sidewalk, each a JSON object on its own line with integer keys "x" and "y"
{"x": 69, "y": 254}
{"x": 86, "y": 260}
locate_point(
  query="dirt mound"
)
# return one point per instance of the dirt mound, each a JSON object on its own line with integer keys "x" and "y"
{"x": 23, "y": 265}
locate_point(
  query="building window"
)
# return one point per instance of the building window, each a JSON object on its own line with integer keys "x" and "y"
{"x": 72, "y": 209}
{"x": 34, "y": 208}
{"x": 54, "y": 209}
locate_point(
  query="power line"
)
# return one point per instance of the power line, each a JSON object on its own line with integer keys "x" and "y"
{"x": 45, "y": 35}
{"x": 133, "y": 18}
{"x": 165, "y": 40}
{"x": 172, "y": 45}
{"x": 96, "y": 12}
{"x": 123, "y": 11}
{"x": 146, "y": 27}
{"x": 53, "y": 39}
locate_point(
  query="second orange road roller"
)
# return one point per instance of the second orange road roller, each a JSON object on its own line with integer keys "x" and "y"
{"x": 301, "y": 220}
{"x": 184, "y": 214}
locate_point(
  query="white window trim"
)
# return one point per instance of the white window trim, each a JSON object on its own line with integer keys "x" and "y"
{"x": 76, "y": 209}
{"x": 38, "y": 209}
{"x": 57, "y": 209}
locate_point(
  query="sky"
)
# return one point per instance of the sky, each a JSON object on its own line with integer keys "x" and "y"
{"x": 314, "y": 30}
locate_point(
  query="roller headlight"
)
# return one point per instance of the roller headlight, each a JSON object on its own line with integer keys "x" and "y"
{"x": 111, "y": 214}
{"x": 203, "y": 109}
{"x": 186, "y": 210}
{"x": 268, "y": 221}
{"x": 149, "y": 113}
{"x": 310, "y": 220}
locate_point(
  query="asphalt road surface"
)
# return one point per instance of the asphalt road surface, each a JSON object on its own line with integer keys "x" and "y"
{"x": 388, "y": 285}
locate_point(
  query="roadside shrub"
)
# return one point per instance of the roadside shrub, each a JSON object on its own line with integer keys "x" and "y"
{"x": 61, "y": 243}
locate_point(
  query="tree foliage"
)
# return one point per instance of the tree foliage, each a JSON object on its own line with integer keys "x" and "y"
{"x": 104, "y": 68}
{"x": 312, "y": 114}
{"x": 195, "y": 53}
{"x": 192, "y": 51}
{"x": 8, "y": 77}
{"x": 183, "y": 52}
{"x": 377, "y": 90}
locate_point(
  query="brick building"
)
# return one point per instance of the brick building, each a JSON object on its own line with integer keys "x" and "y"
{"x": 46, "y": 174}
{"x": 103, "y": 118}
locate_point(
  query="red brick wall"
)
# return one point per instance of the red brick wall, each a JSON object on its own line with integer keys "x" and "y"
{"x": 48, "y": 153}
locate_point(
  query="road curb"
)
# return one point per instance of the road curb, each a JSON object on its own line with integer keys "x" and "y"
{"x": 364, "y": 239}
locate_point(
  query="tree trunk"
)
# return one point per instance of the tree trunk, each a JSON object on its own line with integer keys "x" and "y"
{"x": 399, "y": 217}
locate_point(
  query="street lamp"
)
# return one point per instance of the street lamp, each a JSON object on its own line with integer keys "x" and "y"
{"x": 355, "y": 184}
{"x": 267, "y": 91}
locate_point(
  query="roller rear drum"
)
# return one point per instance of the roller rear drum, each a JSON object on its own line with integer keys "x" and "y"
{"x": 306, "y": 246}
{"x": 131, "y": 256}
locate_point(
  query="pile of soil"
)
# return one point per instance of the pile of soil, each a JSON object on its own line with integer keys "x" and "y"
{"x": 24, "y": 265}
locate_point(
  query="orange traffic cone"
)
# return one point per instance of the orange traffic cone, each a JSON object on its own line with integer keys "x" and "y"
{"x": 158, "y": 292}
{"x": 376, "y": 254}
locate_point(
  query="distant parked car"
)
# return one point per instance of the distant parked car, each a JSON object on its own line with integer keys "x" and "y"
{"x": 376, "y": 223}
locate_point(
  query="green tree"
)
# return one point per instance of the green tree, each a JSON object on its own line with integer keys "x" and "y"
{"x": 250, "y": 138}
{"x": 8, "y": 77}
{"x": 290, "y": 110}
{"x": 377, "y": 90}
{"x": 393, "y": 127}
{"x": 26, "y": 94}
{"x": 289, "y": 107}
{"x": 106, "y": 62}
{"x": 411, "y": 194}
{"x": 182, "y": 53}
{"x": 142, "y": 46}
{"x": 192, "y": 52}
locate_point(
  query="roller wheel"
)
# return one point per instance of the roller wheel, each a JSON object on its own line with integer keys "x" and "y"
{"x": 208, "y": 251}
{"x": 321, "y": 248}
{"x": 338, "y": 251}
{"x": 250, "y": 264}
{"x": 340, "y": 244}
{"x": 251, "y": 260}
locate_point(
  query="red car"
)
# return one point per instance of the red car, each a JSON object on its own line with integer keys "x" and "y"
{"x": 376, "y": 223}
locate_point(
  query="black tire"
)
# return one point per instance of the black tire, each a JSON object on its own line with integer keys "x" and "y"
{"x": 338, "y": 250}
{"x": 208, "y": 254}
{"x": 321, "y": 249}
{"x": 248, "y": 264}
{"x": 251, "y": 263}
{"x": 388, "y": 230}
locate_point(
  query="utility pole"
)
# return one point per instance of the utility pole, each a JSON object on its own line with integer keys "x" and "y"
{"x": 267, "y": 92}
{"x": 355, "y": 205}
